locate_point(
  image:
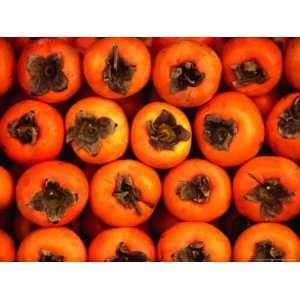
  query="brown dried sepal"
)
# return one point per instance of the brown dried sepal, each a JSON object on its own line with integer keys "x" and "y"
{"x": 192, "y": 253}
{"x": 265, "y": 251}
{"x": 48, "y": 256}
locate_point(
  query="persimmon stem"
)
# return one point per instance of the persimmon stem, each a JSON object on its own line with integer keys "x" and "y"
{"x": 266, "y": 251}
{"x": 194, "y": 252}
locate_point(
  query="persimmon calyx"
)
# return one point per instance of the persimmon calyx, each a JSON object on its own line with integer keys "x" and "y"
{"x": 185, "y": 75}
{"x": 46, "y": 74}
{"x": 89, "y": 131}
{"x": 118, "y": 73}
{"x": 196, "y": 190}
{"x": 48, "y": 256}
{"x": 164, "y": 132}
{"x": 128, "y": 194}
{"x": 289, "y": 120}
{"x": 54, "y": 200}
{"x": 124, "y": 255}
{"x": 266, "y": 251}
{"x": 248, "y": 72}
{"x": 194, "y": 252}
{"x": 219, "y": 132}
{"x": 25, "y": 129}
{"x": 271, "y": 194}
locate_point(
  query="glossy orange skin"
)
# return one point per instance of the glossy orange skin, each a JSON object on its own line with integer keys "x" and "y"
{"x": 287, "y": 147}
{"x": 50, "y": 138}
{"x": 266, "y": 53}
{"x": 263, "y": 168}
{"x": 220, "y": 191}
{"x": 7, "y": 248}
{"x": 280, "y": 235}
{"x": 31, "y": 182}
{"x": 22, "y": 227}
{"x": 106, "y": 207}
{"x": 59, "y": 241}
{"x": 144, "y": 151}
{"x": 71, "y": 67}
{"x": 7, "y": 66}
{"x": 266, "y": 102}
{"x": 216, "y": 244}
{"x": 132, "y": 50}
{"x": 249, "y": 137}
{"x": 104, "y": 246}
{"x": 6, "y": 189}
{"x": 205, "y": 59}
{"x": 83, "y": 44}
{"x": 112, "y": 147}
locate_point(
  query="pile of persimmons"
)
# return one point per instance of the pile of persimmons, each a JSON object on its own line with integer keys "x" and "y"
{"x": 149, "y": 149}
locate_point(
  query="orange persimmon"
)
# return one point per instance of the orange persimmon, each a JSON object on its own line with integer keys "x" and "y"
{"x": 229, "y": 129}
{"x": 161, "y": 135}
{"x": 6, "y": 189}
{"x": 186, "y": 74}
{"x": 52, "y": 193}
{"x": 266, "y": 188}
{"x": 126, "y": 244}
{"x": 194, "y": 242}
{"x": 124, "y": 193}
{"x": 7, "y": 247}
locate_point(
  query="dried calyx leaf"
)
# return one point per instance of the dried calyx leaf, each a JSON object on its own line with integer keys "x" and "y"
{"x": 124, "y": 255}
{"x": 128, "y": 195}
{"x": 219, "y": 132}
{"x": 289, "y": 120}
{"x": 25, "y": 129}
{"x": 265, "y": 251}
{"x": 196, "y": 190}
{"x": 118, "y": 72}
{"x": 185, "y": 75}
{"x": 271, "y": 194}
{"x": 46, "y": 74}
{"x": 54, "y": 200}
{"x": 165, "y": 133}
{"x": 248, "y": 72}
{"x": 89, "y": 131}
{"x": 194, "y": 252}
{"x": 48, "y": 256}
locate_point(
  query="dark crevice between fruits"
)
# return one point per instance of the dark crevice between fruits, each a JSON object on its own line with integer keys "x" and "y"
{"x": 248, "y": 72}
{"x": 192, "y": 253}
{"x": 54, "y": 200}
{"x": 183, "y": 76}
{"x": 89, "y": 131}
{"x": 219, "y": 132}
{"x": 46, "y": 74}
{"x": 25, "y": 129}
{"x": 124, "y": 255}
{"x": 289, "y": 121}
{"x": 197, "y": 190}
{"x": 271, "y": 194}
{"x": 165, "y": 133}
{"x": 265, "y": 251}
{"x": 48, "y": 256}
{"x": 128, "y": 195}
{"x": 118, "y": 72}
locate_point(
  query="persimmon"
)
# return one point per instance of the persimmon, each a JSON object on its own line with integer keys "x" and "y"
{"x": 186, "y": 74}
{"x": 229, "y": 129}
{"x": 6, "y": 189}
{"x": 193, "y": 242}
{"x": 7, "y": 66}
{"x": 161, "y": 135}
{"x": 124, "y": 193}
{"x": 21, "y": 227}
{"x": 97, "y": 129}
{"x": 58, "y": 244}
{"x": 52, "y": 193}
{"x": 31, "y": 132}
{"x": 117, "y": 68}
{"x": 251, "y": 65}
{"x": 7, "y": 247}
{"x": 49, "y": 69}
{"x": 266, "y": 102}
{"x": 267, "y": 242}
{"x": 266, "y": 188}
{"x": 197, "y": 190}
{"x": 126, "y": 244}
{"x": 283, "y": 127}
